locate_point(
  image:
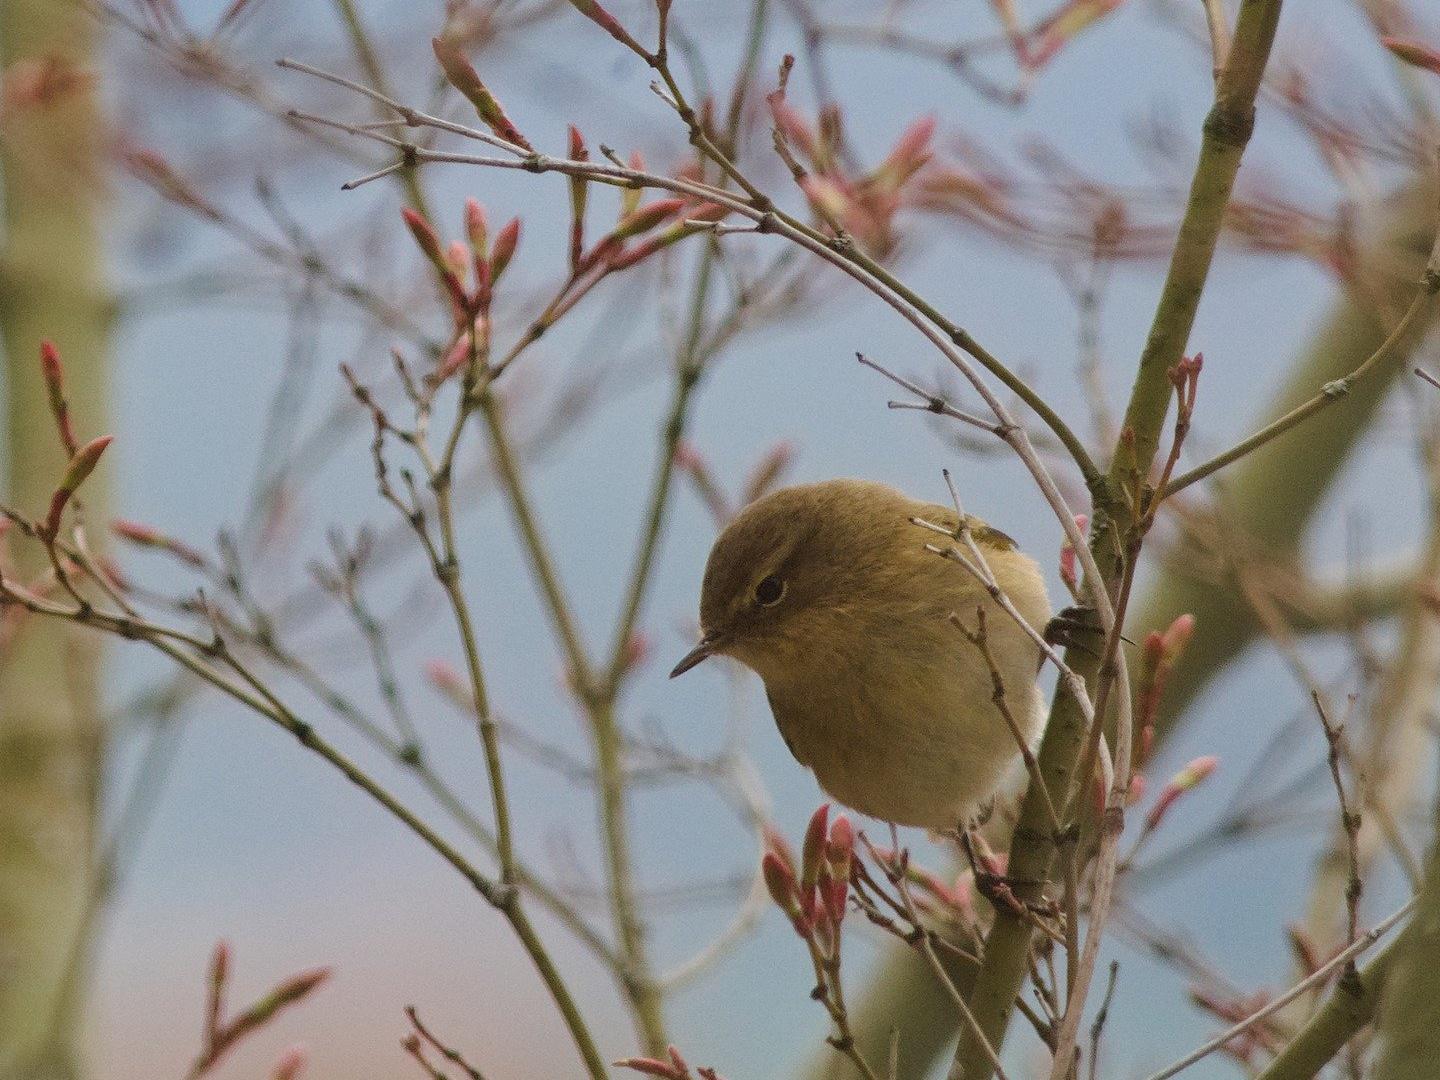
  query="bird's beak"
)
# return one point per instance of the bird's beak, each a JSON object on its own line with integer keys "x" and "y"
{"x": 708, "y": 645}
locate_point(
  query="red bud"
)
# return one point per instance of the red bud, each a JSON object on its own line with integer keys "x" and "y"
{"x": 645, "y": 218}
{"x": 290, "y": 1065}
{"x": 1188, "y": 778}
{"x": 1067, "y": 555}
{"x": 466, "y": 79}
{"x": 55, "y": 389}
{"x": 425, "y": 236}
{"x": 476, "y": 228}
{"x": 592, "y": 10}
{"x": 780, "y": 883}
{"x": 838, "y": 852}
{"x": 812, "y": 854}
{"x": 650, "y": 1067}
{"x": 1414, "y": 53}
{"x": 145, "y": 536}
{"x": 505, "y": 243}
{"x": 80, "y": 467}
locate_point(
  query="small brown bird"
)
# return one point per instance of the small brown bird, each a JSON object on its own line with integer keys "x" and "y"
{"x": 827, "y": 592}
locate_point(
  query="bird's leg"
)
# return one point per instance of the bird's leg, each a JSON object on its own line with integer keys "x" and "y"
{"x": 999, "y": 889}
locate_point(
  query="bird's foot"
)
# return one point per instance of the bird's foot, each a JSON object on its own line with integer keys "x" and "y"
{"x": 1002, "y": 891}
{"x": 1076, "y": 628}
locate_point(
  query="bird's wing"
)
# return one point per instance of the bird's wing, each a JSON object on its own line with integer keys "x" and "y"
{"x": 987, "y": 536}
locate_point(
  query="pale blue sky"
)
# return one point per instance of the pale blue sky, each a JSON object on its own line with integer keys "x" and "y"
{"x": 259, "y": 843}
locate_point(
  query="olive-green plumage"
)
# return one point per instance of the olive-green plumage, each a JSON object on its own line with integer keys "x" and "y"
{"x": 827, "y": 592}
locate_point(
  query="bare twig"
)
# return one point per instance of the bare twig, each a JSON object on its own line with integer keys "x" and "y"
{"x": 1316, "y": 978}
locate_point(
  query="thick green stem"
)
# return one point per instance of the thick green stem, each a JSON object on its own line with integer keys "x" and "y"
{"x": 50, "y": 740}
{"x": 1032, "y": 850}
{"x": 1268, "y": 498}
{"x": 1349, "y": 1008}
{"x": 1410, "y": 1008}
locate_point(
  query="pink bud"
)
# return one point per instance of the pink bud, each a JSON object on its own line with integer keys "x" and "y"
{"x": 1191, "y": 365}
{"x": 795, "y": 129}
{"x": 1185, "y": 780}
{"x": 505, "y": 243}
{"x": 638, "y": 648}
{"x": 1161, "y": 652}
{"x": 1064, "y": 25}
{"x": 463, "y": 76}
{"x": 645, "y": 218}
{"x": 650, "y": 1067}
{"x": 771, "y": 467}
{"x": 1067, "y": 555}
{"x": 145, "y": 536}
{"x": 676, "y": 1060}
{"x": 842, "y": 841}
{"x": 909, "y": 155}
{"x": 1413, "y": 52}
{"x": 827, "y": 197}
{"x": 1177, "y": 636}
{"x": 812, "y": 854}
{"x": 776, "y": 843}
{"x": 1195, "y": 773}
{"x": 54, "y": 376}
{"x": 780, "y": 883}
{"x": 444, "y": 677}
{"x": 457, "y": 258}
{"x": 425, "y": 236}
{"x": 476, "y": 228}
{"x": 80, "y": 467}
{"x": 290, "y": 1065}
{"x": 151, "y": 168}
{"x": 1137, "y": 789}
{"x": 686, "y": 455}
{"x": 597, "y": 14}
{"x": 457, "y": 358}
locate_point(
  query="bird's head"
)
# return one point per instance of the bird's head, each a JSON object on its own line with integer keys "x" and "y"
{"x": 790, "y": 568}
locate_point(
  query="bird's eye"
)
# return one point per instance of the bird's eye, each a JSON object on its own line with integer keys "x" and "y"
{"x": 770, "y": 591}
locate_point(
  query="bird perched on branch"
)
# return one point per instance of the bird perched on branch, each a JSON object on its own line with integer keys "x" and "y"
{"x": 828, "y": 593}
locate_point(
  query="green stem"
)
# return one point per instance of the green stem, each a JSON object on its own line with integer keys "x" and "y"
{"x": 51, "y": 745}
{"x": 1226, "y": 132}
{"x": 1410, "y": 1013}
{"x": 507, "y": 466}
{"x": 1332, "y": 392}
{"x": 638, "y": 973}
{"x": 1267, "y": 498}
{"x": 688, "y": 370}
{"x": 1349, "y": 1008}
{"x": 364, "y": 47}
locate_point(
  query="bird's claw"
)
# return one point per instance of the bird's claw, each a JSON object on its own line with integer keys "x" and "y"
{"x": 1075, "y": 628}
